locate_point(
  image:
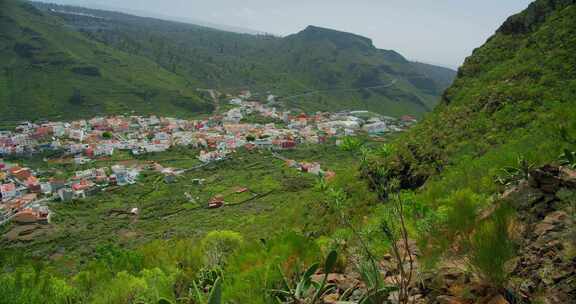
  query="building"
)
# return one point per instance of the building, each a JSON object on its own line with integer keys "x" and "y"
{"x": 21, "y": 174}
{"x": 313, "y": 168}
{"x": 235, "y": 101}
{"x": 39, "y": 215}
{"x": 123, "y": 176}
{"x": 263, "y": 143}
{"x": 376, "y": 127}
{"x": 76, "y": 134}
{"x": 66, "y": 194}
{"x": 207, "y": 157}
{"x": 8, "y": 191}
{"x": 216, "y": 202}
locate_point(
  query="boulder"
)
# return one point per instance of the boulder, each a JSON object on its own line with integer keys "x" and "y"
{"x": 556, "y": 218}
{"x": 543, "y": 228}
{"x": 568, "y": 177}
{"x": 546, "y": 178}
{"x": 523, "y": 196}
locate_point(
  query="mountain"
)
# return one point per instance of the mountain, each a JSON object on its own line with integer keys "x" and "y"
{"x": 513, "y": 91}
{"x": 50, "y": 71}
{"x": 474, "y": 204}
{"x": 498, "y": 154}
{"x": 332, "y": 59}
{"x": 317, "y": 68}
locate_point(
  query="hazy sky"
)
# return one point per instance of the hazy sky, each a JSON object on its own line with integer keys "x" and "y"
{"x": 435, "y": 31}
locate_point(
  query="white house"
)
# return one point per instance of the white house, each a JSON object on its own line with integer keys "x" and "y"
{"x": 376, "y": 127}
{"x": 76, "y": 134}
{"x": 153, "y": 148}
{"x": 235, "y": 101}
{"x": 104, "y": 150}
{"x": 233, "y": 116}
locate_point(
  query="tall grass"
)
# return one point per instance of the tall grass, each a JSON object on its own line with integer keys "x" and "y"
{"x": 490, "y": 247}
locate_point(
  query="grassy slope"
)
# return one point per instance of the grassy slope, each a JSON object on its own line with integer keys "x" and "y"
{"x": 314, "y": 59}
{"x": 81, "y": 227}
{"x": 327, "y": 59}
{"x": 39, "y": 55}
{"x": 512, "y": 100}
{"x": 511, "y": 97}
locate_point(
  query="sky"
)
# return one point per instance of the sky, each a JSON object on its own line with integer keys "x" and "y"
{"x": 442, "y": 32}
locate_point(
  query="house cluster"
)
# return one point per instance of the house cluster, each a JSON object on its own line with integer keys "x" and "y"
{"x": 216, "y": 136}
{"x": 23, "y": 196}
{"x": 20, "y": 190}
{"x": 91, "y": 181}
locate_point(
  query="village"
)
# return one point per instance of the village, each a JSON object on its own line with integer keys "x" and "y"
{"x": 24, "y": 194}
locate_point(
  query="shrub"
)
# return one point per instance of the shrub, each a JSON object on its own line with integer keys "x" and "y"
{"x": 260, "y": 267}
{"x": 461, "y": 208}
{"x": 34, "y": 285}
{"x": 118, "y": 259}
{"x": 513, "y": 174}
{"x": 351, "y": 144}
{"x": 107, "y": 135}
{"x": 568, "y": 159}
{"x": 218, "y": 245}
{"x": 490, "y": 247}
{"x": 124, "y": 288}
{"x": 384, "y": 151}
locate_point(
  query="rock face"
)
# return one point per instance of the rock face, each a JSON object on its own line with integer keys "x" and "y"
{"x": 532, "y": 17}
{"x": 545, "y": 268}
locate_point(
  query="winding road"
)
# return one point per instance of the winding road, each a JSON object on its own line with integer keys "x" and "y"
{"x": 393, "y": 82}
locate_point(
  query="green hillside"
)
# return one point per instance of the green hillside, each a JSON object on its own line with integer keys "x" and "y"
{"x": 475, "y": 170}
{"x": 49, "y": 71}
{"x": 475, "y": 204}
{"x": 340, "y": 70}
{"x": 512, "y": 96}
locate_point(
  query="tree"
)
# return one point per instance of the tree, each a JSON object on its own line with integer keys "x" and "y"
{"x": 218, "y": 245}
{"x": 107, "y": 135}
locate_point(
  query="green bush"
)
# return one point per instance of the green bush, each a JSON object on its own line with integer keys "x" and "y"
{"x": 351, "y": 144}
{"x": 568, "y": 159}
{"x": 258, "y": 267}
{"x": 461, "y": 209}
{"x": 218, "y": 245}
{"x": 490, "y": 247}
{"x": 35, "y": 285}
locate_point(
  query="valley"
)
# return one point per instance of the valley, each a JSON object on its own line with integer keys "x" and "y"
{"x": 112, "y": 63}
{"x": 97, "y": 180}
{"x": 148, "y": 161}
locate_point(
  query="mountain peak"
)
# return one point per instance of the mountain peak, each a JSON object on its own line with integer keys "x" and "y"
{"x": 338, "y": 38}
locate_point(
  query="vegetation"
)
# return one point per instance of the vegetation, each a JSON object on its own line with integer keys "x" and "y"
{"x": 431, "y": 194}
{"x": 491, "y": 247}
{"x": 316, "y": 69}
{"x": 92, "y": 78}
{"x": 218, "y": 245}
{"x": 568, "y": 159}
{"x": 306, "y": 286}
{"x": 504, "y": 115}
